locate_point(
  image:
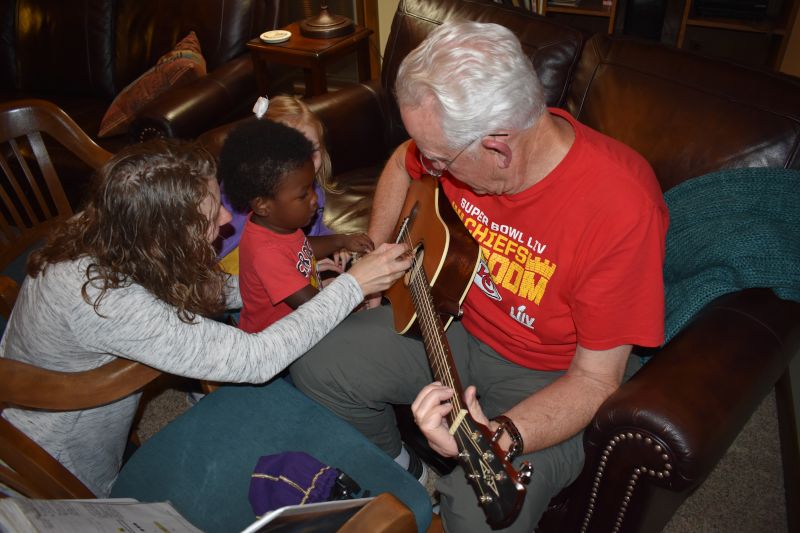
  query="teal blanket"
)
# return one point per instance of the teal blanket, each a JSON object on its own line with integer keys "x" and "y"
{"x": 730, "y": 230}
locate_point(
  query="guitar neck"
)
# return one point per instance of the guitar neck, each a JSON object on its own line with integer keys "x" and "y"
{"x": 430, "y": 324}
{"x": 498, "y": 487}
{"x": 440, "y": 359}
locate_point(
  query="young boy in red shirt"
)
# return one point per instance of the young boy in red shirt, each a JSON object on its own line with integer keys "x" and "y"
{"x": 268, "y": 168}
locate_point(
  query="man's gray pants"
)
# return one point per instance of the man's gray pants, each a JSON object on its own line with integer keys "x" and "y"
{"x": 363, "y": 367}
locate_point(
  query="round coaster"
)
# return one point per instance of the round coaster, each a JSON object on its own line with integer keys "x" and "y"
{"x": 276, "y": 36}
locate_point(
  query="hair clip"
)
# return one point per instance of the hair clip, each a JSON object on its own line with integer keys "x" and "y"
{"x": 261, "y": 106}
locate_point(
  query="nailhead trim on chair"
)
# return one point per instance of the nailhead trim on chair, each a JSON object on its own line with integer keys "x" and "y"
{"x": 637, "y": 472}
{"x": 150, "y": 133}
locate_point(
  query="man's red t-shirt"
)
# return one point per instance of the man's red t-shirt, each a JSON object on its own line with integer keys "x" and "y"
{"x": 575, "y": 259}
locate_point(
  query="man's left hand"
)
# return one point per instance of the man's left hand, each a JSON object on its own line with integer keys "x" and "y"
{"x": 430, "y": 408}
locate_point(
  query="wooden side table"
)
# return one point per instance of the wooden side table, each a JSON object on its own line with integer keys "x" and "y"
{"x": 312, "y": 55}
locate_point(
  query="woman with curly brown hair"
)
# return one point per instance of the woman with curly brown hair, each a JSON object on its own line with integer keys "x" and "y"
{"x": 134, "y": 275}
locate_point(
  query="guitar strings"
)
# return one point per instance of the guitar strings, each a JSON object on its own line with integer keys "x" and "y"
{"x": 482, "y": 475}
{"x": 427, "y": 317}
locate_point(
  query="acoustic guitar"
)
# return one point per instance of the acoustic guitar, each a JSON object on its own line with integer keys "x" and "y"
{"x": 424, "y": 303}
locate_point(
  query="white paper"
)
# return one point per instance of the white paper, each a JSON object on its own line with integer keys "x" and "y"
{"x": 20, "y": 515}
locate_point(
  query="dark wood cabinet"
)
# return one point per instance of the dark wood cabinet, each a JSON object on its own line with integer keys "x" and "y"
{"x": 757, "y": 42}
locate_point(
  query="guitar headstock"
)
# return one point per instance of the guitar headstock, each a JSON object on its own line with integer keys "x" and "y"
{"x": 499, "y": 487}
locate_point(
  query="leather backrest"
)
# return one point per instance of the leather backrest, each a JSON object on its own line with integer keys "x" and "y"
{"x": 687, "y": 114}
{"x": 553, "y": 48}
{"x": 7, "y": 51}
{"x": 146, "y": 29}
{"x": 57, "y": 43}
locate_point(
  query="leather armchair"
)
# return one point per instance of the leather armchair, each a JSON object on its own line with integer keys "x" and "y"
{"x": 81, "y": 55}
{"x": 661, "y": 434}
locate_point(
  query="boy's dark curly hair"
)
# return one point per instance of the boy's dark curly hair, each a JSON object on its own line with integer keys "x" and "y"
{"x": 255, "y": 158}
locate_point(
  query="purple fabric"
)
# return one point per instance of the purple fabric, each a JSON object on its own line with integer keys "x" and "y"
{"x": 289, "y": 478}
{"x": 231, "y": 234}
{"x": 318, "y": 226}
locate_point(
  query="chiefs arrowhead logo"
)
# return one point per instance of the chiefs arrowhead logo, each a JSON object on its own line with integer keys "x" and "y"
{"x": 484, "y": 281}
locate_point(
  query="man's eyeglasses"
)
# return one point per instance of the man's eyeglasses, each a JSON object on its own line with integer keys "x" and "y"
{"x": 436, "y": 167}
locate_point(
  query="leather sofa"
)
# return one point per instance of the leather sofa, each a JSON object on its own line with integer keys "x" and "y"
{"x": 80, "y": 55}
{"x": 659, "y": 436}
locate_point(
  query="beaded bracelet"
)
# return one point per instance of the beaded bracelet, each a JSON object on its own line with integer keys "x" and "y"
{"x": 507, "y": 425}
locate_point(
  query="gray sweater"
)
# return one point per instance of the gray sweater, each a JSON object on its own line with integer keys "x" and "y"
{"x": 53, "y": 327}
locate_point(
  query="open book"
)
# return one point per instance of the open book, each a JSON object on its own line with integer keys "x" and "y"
{"x": 20, "y": 515}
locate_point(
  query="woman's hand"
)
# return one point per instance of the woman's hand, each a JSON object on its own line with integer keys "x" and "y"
{"x": 377, "y": 270}
{"x": 432, "y": 405}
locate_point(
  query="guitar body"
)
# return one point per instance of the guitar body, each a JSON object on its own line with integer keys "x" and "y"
{"x": 451, "y": 255}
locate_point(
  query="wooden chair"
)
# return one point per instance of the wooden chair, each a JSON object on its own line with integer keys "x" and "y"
{"x": 8, "y": 295}
{"x": 29, "y": 469}
{"x": 387, "y": 514}
{"x": 32, "y": 197}
{"x": 32, "y": 200}
{"x": 384, "y": 514}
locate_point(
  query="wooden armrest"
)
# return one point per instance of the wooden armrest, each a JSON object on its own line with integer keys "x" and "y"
{"x": 384, "y": 514}
{"x": 33, "y": 387}
{"x": 8, "y": 295}
{"x": 188, "y": 110}
{"x": 34, "y": 472}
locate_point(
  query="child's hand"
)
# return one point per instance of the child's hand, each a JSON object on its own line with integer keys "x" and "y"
{"x": 372, "y": 300}
{"x": 341, "y": 258}
{"x": 328, "y": 265}
{"x": 359, "y": 243}
{"x": 354, "y": 245}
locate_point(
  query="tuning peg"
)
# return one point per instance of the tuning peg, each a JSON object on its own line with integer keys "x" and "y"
{"x": 525, "y": 472}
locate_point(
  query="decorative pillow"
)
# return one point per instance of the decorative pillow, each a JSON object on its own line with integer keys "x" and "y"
{"x": 181, "y": 65}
